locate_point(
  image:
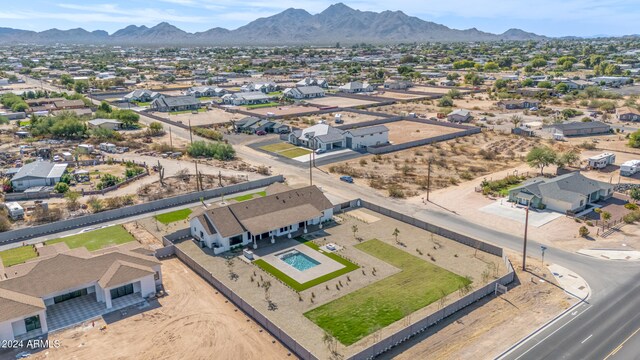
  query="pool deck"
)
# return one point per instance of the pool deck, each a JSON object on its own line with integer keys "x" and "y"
{"x": 326, "y": 264}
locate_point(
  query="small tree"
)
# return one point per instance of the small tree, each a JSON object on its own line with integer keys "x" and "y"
{"x": 61, "y": 188}
{"x": 354, "y": 229}
{"x": 515, "y": 120}
{"x": 635, "y": 194}
{"x": 606, "y": 216}
{"x": 71, "y": 198}
{"x": 396, "y": 232}
{"x": 266, "y": 286}
{"x": 540, "y": 157}
{"x": 583, "y": 231}
{"x": 155, "y": 128}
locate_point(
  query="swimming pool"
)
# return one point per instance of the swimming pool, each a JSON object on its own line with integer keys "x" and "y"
{"x": 298, "y": 260}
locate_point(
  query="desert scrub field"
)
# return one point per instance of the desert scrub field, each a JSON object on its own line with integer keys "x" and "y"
{"x": 404, "y": 173}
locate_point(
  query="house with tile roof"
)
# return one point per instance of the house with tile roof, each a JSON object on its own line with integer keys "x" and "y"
{"x": 282, "y": 212}
{"x": 63, "y": 287}
{"x": 572, "y": 192}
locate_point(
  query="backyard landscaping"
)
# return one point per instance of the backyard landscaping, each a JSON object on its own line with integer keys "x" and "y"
{"x": 249, "y": 196}
{"x": 259, "y": 106}
{"x": 354, "y": 316}
{"x": 97, "y": 239}
{"x": 17, "y": 255}
{"x": 285, "y": 149}
{"x": 170, "y": 217}
{"x": 348, "y": 267}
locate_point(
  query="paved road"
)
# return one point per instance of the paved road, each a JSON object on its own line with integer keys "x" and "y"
{"x": 606, "y": 322}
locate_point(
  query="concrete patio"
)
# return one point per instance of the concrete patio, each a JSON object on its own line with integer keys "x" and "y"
{"x": 507, "y": 210}
{"x": 74, "y": 311}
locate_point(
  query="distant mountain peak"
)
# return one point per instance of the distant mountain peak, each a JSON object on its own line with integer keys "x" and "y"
{"x": 337, "y": 23}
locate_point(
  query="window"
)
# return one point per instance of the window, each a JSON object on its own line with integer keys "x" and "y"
{"x": 156, "y": 276}
{"x": 121, "y": 291}
{"x": 235, "y": 240}
{"x": 32, "y": 323}
{"x": 69, "y": 296}
{"x": 201, "y": 234}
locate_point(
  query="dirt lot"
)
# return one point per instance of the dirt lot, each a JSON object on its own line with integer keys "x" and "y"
{"x": 209, "y": 117}
{"x": 430, "y": 89}
{"x": 193, "y": 319}
{"x": 495, "y": 322}
{"x": 404, "y": 173}
{"x": 405, "y": 131}
{"x": 397, "y": 95}
{"x": 348, "y": 118}
{"x": 339, "y": 101}
{"x": 283, "y": 110}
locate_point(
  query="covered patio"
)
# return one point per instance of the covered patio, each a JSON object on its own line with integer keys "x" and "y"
{"x": 85, "y": 307}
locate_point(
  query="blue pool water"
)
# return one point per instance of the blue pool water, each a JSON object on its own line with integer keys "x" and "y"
{"x": 298, "y": 260}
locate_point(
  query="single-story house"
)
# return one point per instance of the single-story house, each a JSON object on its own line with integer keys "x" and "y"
{"x": 447, "y": 83}
{"x": 304, "y": 92}
{"x": 141, "y": 96}
{"x": 265, "y": 87}
{"x": 523, "y": 131}
{"x": 356, "y": 87}
{"x": 246, "y": 98}
{"x": 326, "y": 137}
{"x": 578, "y": 128}
{"x": 13, "y": 115}
{"x": 398, "y": 85}
{"x": 279, "y": 213}
{"x": 205, "y": 91}
{"x": 253, "y": 124}
{"x": 63, "y": 287}
{"x": 615, "y": 81}
{"x": 175, "y": 103}
{"x": 311, "y": 81}
{"x": 459, "y": 116}
{"x": 69, "y": 104}
{"x": 628, "y": 113}
{"x": 37, "y": 173}
{"x": 577, "y": 84}
{"x": 571, "y": 192}
{"x": 518, "y": 104}
{"x": 110, "y": 124}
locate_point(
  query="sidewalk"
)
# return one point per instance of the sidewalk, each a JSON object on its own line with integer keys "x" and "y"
{"x": 625, "y": 255}
{"x": 572, "y": 283}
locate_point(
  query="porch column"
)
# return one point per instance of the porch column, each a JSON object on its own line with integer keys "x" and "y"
{"x": 305, "y": 227}
{"x": 273, "y": 239}
{"x": 255, "y": 243}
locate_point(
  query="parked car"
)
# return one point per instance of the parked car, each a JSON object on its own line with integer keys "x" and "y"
{"x": 57, "y": 158}
{"x": 261, "y": 132}
{"x": 347, "y": 179}
{"x": 321, "y": 151}
{"x": 534, "y": 109}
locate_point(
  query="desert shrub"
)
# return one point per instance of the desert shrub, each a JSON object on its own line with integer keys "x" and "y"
{"x": 395, "y": 191}
{"x": 631, "y": 206}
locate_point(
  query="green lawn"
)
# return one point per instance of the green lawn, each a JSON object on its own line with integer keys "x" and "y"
{"x": 258, "y": 106}
{"x": 205, "y": 98}
{"x": 25, "y": 122}
{"x": 140, "y": 103}
{"x": 17, "y": 255}
{"x": 249, "y": 196}
{"x": 505, "y": 191}
{"x": 349, "y": 267}
{"x": 293, "y": 153}
{"x": 275, "y": 93}
{"x": 97, "y": 239}
{"x": 173, "y": 216}
{"x": 186, "y": 111}
{"x": 278, "y": 147}
{"x": 360, "y": 313}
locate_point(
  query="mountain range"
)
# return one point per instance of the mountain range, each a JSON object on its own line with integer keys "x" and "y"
{"x": 338, "y": 23}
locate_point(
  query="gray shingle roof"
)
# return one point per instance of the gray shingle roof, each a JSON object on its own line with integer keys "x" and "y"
{"x": 579, "y": 125}
{"x": 172, "y": 101}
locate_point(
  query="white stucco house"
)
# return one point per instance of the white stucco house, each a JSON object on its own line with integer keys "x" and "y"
{"x": 63, "y": 287}
{"x": 282, "y": 212}
{"x": 327, "y": 137}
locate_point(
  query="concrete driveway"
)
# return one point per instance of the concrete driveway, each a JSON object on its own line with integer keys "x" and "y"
{"x": 508, "y": 210}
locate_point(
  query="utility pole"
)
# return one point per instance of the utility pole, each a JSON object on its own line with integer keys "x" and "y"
{"x": 190, "y": 134}
{"x": 170, "y": 139}
{"x": 524, "y": 249}
{"x": 428, "y": 179}
{"x": 311, "y": 168}
{"x": 197, "y": 179}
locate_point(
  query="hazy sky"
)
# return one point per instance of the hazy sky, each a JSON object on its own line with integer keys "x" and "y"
{"x": 546, "y": 17}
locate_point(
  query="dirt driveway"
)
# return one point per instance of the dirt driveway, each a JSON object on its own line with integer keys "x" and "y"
{"x": 192, "y": 322}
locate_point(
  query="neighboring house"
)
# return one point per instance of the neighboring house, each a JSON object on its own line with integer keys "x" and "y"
{"x": 282, "y": 213}
{"x": 627, "y": 113}
{"x": 459, "y": 116}
{"x": 571, "y": 192}
{"x": 175, "y": 103}
{"x": 326, "y": 137}
{"x": 63, "y": 287}
{"x": 615, "y": 81}
{"x": 37, "y": 173}
{"x": 523, "y": 131}
{"x": 205, "y": 91}
{"x": 247, "y": 98}
{"x": 105, "y": 124}
{"x": 141, "y": 96}
{"x": 356, "y": 87}
{"x": 578, "y": 128}
{"x": 447, "y": 83}
{"x": 398, "y": 85}
{"x": 69, "y": 104}
{"x": 265, "y": 87}
{"x": 253, "y": 124}
{"x": 310, "y": 81}
{"x": 577, "y": 84}
{"x": 304, "y": 92}
{"x": 518, "y": 104}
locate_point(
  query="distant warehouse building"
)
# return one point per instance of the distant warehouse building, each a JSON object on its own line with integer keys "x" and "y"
{"x": 578, "y": 128}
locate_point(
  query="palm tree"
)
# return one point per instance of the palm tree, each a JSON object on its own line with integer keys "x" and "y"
{"x": 606, "y": 216}
{"x": 396, "y": 232}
